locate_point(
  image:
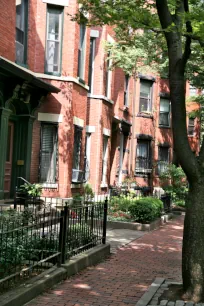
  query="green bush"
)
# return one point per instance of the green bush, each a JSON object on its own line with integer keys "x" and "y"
{"x": 146, "y": 209}
{"x": 122, "y": 202}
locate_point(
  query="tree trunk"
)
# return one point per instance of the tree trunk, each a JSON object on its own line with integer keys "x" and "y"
{"x": 193, "y": 244}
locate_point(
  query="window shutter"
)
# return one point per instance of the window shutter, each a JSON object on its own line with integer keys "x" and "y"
{"x": 48, "y": 159}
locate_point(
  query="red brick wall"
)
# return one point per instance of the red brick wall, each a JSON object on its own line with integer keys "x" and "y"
{"x": 8, "y": 28}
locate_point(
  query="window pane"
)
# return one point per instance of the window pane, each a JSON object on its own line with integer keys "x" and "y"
{"x": 143, "y": 155}
{"x": 191, "y": 126}
{"x": 48, "y": 158}
{"x": 81, "y": 51}
{"x": 52, "y": 56}
{"x": 145, "y": 96}
{"x": 20, "y": 14}
{"x": 164, "y": 119}
{"x": 105, "y": 159}
{"x": 143, "y": 104}
{"x": 164, "y": 105}
{"x": 77, "y": 147}
{"x": 164, "y": 154}
{"x": 54, "y": 31}
{"x": 53, "y": 28}
{"x": 145, "y": 88}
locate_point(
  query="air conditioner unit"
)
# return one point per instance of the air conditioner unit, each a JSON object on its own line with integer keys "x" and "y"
{"x": 19, "y": 53}
{"x": 77, "y": 176}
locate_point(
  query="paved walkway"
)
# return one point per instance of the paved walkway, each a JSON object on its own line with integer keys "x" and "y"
{"x": 122, "y": 279}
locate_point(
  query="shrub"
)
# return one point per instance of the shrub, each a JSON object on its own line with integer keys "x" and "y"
{"x": 122, "y": 202}
{"x": 146, "y": 209}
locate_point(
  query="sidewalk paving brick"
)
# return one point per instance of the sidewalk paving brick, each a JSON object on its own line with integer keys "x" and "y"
{"x": 123, "y": 278}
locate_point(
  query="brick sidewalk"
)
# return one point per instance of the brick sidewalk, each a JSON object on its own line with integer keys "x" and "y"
{"x": 122, "y": 279}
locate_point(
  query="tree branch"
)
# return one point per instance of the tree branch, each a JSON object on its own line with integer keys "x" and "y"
{"x": 164, "y": 14}
{"x": 189, "y": 29}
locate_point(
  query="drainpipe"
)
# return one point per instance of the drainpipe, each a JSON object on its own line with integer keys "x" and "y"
{"x": 133, "y": 125}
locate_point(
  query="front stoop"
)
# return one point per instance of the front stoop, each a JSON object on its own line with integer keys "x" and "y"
{"x": 37, "y": 285}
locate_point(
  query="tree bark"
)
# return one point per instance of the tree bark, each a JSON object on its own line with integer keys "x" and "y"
{"x": 193, "y": 244}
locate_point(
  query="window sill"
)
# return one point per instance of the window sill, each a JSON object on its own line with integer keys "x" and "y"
{"x": 77, "y": 186}
{"x": 49, "y": 186}
{"x": 140, "y": 170}
{"x": 164, "y": 127}
{"x": 191, "y": 136}
{"x": 104, "y": 185}
{"x": 145, "y": 115}
{"x": 57, "y": 74}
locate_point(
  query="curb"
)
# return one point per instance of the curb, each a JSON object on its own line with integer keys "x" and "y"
{"x": 147, "y": 297}
{"x": 139, "y": 226}
{"x": 37, "y": 285}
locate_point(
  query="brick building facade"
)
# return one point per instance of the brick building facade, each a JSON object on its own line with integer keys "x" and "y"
{"x": 65, "y": 118}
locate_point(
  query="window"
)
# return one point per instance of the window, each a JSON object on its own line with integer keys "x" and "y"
{"x": 54, "y": 40}
{"x": 192, "y": 91}
{"x": 77, "y": 147}
{"x": 143, "y": 160}
{"x": 105, "y": 159}
{"x": 87, "y": 156}
{"x": 163, "y": 159}
{"x": 21, "y": 30}
{"x": 108, "y": 76}
{"x": 164, "y": 114}
{"x": 191, "y": 124}
{"x": 91, "y": 63}
{"x": 81, "y": 51}
{"x": 126, "y": 91}
{"x": 48, "y": 153}
{"x": 145, "y": 96}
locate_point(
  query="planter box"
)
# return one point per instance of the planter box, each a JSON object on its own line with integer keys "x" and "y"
{"x": 139, "y": 226}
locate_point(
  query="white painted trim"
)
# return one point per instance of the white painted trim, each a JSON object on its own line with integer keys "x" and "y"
{"x": 49, "y": 185}
{"x": 48, "y": 117}
{"x": 61, "y": 78}
{"x": 78, "y": 121}
{"x": 104, "y": 185}
{"x": 106, "y": 132}
{"x": 90, "y": 129}
{"x": 100, "y": 97}
{"x": 57, "y": 2}
{"x": 93, "y": 65}
{"x": 94, "y": 33}
{"x": 110, "y": 39}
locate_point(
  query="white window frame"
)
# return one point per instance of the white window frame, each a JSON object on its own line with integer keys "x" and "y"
{"x": 51, "y": 7}
{"x": 105, "y": 160}
{"x": 92, "y": 61}
{"x": 82, "y": 55}
{"x": 108, "y": 77}
{"x": 150, "y": 99}
{"x": 161, "y": 112}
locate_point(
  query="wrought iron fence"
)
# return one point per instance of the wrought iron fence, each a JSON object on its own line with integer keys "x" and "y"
{"x": 32, "y": 240}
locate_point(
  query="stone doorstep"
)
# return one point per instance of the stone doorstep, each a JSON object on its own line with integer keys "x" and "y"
{"x": 138, "y": 226}
{"x": 37, "y": 285}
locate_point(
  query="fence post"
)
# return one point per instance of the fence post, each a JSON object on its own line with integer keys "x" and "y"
{"x": 61, "y": 237}
{"x": 64, "y": 233}
{"x": 105, "y": 220}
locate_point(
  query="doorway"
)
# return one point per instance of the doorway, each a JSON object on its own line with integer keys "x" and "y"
{"x": 9, "y": 158}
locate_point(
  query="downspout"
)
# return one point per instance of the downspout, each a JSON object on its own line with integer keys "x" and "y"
{"x": 133, "y": 125}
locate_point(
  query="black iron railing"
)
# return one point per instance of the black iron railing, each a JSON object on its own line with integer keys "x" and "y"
{"x": 32, "y": 240}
